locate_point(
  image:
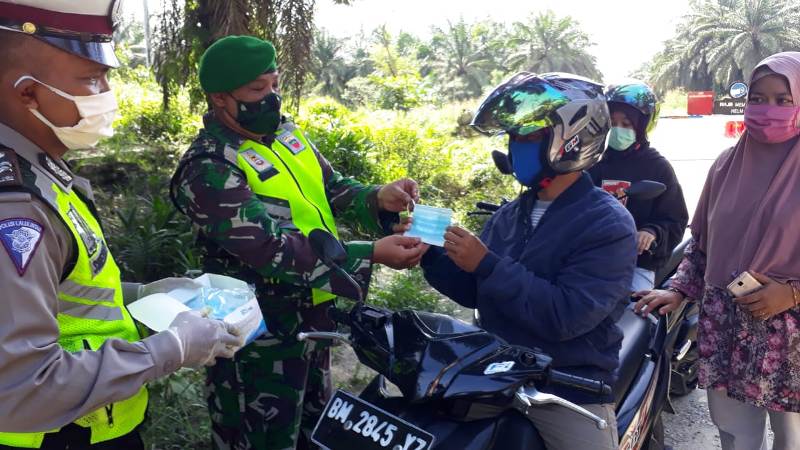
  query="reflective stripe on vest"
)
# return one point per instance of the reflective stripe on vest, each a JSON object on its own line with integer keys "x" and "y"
{"x": 90, "y": 311}
{"x": 289, "y": 170}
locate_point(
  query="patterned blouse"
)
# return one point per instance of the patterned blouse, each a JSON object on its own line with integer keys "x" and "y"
{"x": 758, "y": 362}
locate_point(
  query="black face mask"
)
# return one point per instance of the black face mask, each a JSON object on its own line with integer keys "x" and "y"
{"x": 261, "y": 117}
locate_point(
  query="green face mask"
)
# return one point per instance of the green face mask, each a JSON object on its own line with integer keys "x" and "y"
{"x": 621, "y": 139}
{"x": 261, "y": 117}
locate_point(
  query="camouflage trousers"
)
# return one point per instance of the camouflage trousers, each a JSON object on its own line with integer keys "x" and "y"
{"x": 270, "y": 395}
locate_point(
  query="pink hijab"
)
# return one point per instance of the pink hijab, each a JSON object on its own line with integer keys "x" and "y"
{"x": 748, "y": 216}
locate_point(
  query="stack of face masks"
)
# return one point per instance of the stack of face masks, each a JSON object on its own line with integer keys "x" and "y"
{"x": 219, "y": 297}
{"x": 218, "y": 303}
{"x": 430, "y": 224}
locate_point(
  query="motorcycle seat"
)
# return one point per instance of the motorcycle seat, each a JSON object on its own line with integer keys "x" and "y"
{"x": 637, "y": 332}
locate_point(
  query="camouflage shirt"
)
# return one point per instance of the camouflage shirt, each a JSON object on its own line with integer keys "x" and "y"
{"x": 252, "y": 237}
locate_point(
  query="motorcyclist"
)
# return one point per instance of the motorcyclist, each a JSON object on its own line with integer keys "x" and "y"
{"x": 660, "y": 222}
{"x": 552, "y": 269}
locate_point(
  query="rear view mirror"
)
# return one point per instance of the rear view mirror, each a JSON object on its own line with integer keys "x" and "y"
{"x": 645, "y": 190}
{"x": 502, "y": 162}
{"x": 332, "y": 253}
{"x": 327, "y": 248}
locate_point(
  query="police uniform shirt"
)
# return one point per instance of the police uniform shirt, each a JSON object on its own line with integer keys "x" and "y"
{"x": 42, "y": 386}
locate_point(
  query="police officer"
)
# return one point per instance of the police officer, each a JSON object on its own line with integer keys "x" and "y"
{"x": 256, "y": 187}
{"x": 72, "y": 365}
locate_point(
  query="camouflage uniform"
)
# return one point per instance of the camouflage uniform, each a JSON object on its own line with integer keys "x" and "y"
{"x": 258, "y": 399}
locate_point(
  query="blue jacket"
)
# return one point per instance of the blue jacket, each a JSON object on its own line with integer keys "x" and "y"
{"x": 560, "y": 287}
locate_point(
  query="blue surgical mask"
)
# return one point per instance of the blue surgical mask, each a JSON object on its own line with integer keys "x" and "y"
{"x": 621, "y": 139}
{"x": 430, "y": 224}
{"x": 526, "y": 160}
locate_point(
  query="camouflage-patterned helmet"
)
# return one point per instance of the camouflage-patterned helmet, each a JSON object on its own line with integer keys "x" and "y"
{"x": 638, "y": 95}
{"x": 572, "y": 108}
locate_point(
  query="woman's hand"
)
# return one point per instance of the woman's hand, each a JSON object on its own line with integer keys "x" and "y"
{"x": 644, "y": 239}
{"x": 769, "y": 301}
{"x": 665, "y": 301}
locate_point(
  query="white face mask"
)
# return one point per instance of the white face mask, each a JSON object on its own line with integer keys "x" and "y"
{"x": 97, "y": 116}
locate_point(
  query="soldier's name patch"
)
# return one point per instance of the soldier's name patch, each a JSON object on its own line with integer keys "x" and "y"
{"x": 21, "y": 238}
{"x": 260, "y": 164}
{"x": 291, "y": 142}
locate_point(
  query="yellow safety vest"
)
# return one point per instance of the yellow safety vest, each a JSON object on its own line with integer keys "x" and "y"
{"x": 90, "y": 311}
{"x": 290, "y": 171}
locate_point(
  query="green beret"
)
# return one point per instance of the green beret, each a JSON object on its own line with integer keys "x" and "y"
{"x": 234, "y": 61}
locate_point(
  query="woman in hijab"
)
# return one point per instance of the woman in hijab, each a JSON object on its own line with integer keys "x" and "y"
{"x": 748, "y": 219}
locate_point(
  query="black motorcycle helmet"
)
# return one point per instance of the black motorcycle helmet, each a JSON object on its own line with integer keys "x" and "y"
{"x": 569, "y": 111}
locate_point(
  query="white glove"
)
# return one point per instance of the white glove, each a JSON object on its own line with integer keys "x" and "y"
{"x": 203, "y": 340}
{"x": 168, "y": 284}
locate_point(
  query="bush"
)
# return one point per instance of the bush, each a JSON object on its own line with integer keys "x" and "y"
{"x": 382, "y": 146}
{"x": 178, "y": 415}
{"x": 148, "y": 237}
{"x": 675, "y": 103}
{"x": 143, "y": 122}
{"x": 408, "y": 290}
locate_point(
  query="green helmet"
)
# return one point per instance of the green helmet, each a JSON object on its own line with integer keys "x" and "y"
{"x": 639, "y": 96}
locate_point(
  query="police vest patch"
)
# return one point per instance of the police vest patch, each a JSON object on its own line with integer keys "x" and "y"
{"x": 21, "y": 238}
{"x": 9, "y": 169}
{"x": 290, "y": 141}
{"x": 95, "y": 246}
{"x": 264, "y": 168}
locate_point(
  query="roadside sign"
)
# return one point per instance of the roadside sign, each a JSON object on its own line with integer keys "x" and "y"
{"x": 700, "y": 103}
{"x": 738, "y": 90}
{"x": 730, "y": 107}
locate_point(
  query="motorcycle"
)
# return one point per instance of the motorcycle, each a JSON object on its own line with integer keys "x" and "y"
{"x": 461, "y": 387}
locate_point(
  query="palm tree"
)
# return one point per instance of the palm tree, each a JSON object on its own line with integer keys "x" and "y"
{"x": 723, "y": 40}
{"x": 329, "y": 70}
{"x": 187, "y": 28}
{"x": 547, "y": 43}
{"x": 461, "y": 60}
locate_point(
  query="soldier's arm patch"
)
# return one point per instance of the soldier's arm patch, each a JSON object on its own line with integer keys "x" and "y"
{"x": 21, "y": 238}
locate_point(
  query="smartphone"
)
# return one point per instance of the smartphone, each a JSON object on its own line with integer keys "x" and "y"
{"x": 743, "y": 285}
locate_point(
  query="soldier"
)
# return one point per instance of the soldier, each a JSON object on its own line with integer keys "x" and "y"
{"x": 256, "y": 186}
{"x": 72, "y": 365}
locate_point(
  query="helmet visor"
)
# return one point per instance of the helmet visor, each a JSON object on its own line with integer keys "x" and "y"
{"x": 521, "y": 106}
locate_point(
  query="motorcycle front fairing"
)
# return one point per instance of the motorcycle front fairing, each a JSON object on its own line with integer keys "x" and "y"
{"x": 432, "y": 356}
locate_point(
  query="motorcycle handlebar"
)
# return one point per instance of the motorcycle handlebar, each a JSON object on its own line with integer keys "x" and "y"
{"x": 579, "y": 383}
{"x": 490, "y": 207}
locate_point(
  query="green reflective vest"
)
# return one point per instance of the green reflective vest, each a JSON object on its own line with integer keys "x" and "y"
{"x": 90, "y": 310}
{"x": 289, "y": 171}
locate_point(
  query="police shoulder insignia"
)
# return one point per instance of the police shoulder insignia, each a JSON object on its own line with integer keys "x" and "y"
{"x": 21, "y": 238}
{"x": 54, "y": 169}
{"x": 9, "y": 168}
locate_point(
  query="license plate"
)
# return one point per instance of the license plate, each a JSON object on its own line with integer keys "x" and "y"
{"x": 349, "y": 423}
